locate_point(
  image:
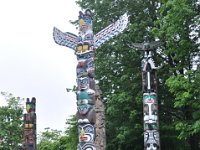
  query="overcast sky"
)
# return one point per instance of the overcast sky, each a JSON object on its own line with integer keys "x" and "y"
{"x": 32, "y": 64}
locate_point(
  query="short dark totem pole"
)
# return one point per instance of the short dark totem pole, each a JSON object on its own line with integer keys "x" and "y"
{"x": 88, "y": 94}
{"x": 29, "y": 137}
{"x": 150, "y": 101}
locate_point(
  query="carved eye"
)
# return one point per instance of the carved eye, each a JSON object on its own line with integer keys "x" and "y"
{"x": 88, "y": 37}
{"x": 90, "y": 64}
{"x": 154, "y": 145}
{"x": 84, "y": 81}
{"x": 146, "y": 109}
{"x": 87, "y": 19}
{"x": 79, "y": 38}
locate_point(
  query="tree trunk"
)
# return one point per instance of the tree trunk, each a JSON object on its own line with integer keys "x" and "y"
{"x": 100, "y": 141}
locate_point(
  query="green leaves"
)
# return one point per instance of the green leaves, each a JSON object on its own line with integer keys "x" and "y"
{"x": 11, "y": 129}
{"x": 182, "y": 89}
{"x": 187, "y": 130}
{"x": 53, "y": 139}
{"x": 186, "y": 99}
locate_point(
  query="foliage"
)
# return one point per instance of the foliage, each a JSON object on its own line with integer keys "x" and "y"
{"x": 49, "y": 139}
{"x": 71, "y": 133}
{"x": 186, "y": 93}
{"x": 52, "y": 139}
{"x": 178, "y": 25}
{"x": 11, "y": 123}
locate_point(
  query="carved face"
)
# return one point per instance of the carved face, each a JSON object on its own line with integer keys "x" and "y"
{"x": 86, "y": 37}
{"x": 81, "y": 68}
{"x": 83, "y": 83}
{"x": 84, "y": 102}
{"x": 85, "y": 21}
{"x": 86, "y": 133}
{"x": 151, "y": 125}
{"x": 150, "y": 111}
{"x": 83, "y": 108}
{"x": 150, "y": 140}
{"x": 149, "y": 98}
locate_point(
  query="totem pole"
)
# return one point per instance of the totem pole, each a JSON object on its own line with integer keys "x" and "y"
{"x": 29, "y": 137}
{"x": 150, "y": 101}
{"x": 84, "y": 46}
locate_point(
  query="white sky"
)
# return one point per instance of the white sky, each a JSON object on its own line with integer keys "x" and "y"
{"x": 32, "y": 64}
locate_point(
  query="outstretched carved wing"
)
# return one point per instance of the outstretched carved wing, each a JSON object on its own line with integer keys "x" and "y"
{"x": 146, "y": 45}
{"x": 110, "y": 31}
{"x": 137, "y": 45}
{"x": 155, "y": 44}
{"x": 65, "y": 39}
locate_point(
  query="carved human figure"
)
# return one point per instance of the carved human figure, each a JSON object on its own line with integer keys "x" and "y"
{"x": 85, "y": 103}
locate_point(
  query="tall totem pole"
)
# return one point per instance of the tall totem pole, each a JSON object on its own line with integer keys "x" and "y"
{"x": 29, "y": 137}
{"x": 84, "y": 46}
{"x": 150, "y": 101}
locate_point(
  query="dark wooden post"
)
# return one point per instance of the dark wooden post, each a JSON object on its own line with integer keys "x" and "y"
{"x": 150, "y": 100}
{"x": 30, "y": 135}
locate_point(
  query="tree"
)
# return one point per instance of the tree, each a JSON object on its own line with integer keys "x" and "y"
{"x": 71, "y": 134}
{"x": 178, "y": 25}
{"x": 186, "y": 101}
{"x": 52, "y": 139}
{"x": 11, "y": 123}
{"x": 49, "y": 139}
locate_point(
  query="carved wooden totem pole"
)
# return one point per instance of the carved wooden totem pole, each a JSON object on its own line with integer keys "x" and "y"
{"x": 29, "y": 137}
{"x": 150, "y": 102}
{"x": 84, "y": 46}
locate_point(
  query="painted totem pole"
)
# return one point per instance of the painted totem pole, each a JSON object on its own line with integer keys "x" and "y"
{"x": 84, "y": 46}
{"x": 150, "y": 102}
{"x": 29, "y": 137}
